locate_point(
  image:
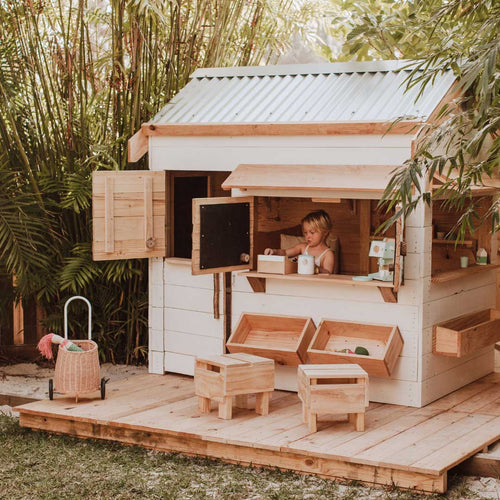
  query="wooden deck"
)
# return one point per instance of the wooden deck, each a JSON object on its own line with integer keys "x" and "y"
{"x": 404, "y": 446}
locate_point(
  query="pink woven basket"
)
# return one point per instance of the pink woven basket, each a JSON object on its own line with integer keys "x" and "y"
{"x": 78, "y": 372}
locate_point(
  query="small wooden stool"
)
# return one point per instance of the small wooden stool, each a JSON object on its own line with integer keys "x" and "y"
{"x": 333, "y": 389}
{"x": 222, "y": 377}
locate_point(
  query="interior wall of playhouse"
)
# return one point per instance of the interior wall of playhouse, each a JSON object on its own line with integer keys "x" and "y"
{"x": 182, "y": 318}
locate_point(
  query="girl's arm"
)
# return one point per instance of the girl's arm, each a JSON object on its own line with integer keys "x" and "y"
{"x": 289, "y": 252}
{"x": 327, "y": 265}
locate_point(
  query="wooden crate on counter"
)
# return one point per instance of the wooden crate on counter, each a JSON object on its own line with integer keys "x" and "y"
{"x": 464, "y": 334}
{"x": 276, "y": 264}
{"x": 282, "y": 338}
{"x": 383, "y": 343}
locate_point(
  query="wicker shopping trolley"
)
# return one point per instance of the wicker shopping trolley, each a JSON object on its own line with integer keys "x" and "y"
{"x": 77, "y": 372}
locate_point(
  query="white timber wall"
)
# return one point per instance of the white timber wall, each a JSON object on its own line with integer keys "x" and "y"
{"x": 444, "y": 301}
{"x": 181, "y": 317}
{"x": 440, "y": 375}
{"x": 226, "y": 153}
{"x": 187, "y": 328}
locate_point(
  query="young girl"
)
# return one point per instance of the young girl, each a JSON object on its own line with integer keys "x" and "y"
{"x": 315, "y": 227}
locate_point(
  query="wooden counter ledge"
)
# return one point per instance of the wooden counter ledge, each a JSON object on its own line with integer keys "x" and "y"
{"x": 258, "y": 282}
{"x": 461, "y": 273}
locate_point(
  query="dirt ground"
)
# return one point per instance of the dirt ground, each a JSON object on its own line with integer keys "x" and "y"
{"x": 28, "y": 380}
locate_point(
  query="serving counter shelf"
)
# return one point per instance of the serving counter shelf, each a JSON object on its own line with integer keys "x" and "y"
{"x": 258, "y": 282}
{"x": 443, "y": 277}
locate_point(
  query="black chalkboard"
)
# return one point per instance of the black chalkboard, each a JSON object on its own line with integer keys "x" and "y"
{"x": 224, "y": 234}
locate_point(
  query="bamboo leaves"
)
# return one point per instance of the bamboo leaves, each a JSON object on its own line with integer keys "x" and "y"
{"x": 77, "y": 80}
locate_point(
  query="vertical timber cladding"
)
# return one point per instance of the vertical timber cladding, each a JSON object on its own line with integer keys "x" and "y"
{"x": 224, "y": 234}
{"x": 128, "y": 214}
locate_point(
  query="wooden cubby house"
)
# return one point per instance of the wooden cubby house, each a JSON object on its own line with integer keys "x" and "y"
{"x": 257, "y": 148}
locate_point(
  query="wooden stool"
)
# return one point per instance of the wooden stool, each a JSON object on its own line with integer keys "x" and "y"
{"x": 333, "y": 389}
{"x": 222, "y": 377}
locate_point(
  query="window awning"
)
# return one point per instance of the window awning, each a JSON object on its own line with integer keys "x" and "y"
{"x": 320, "y": 181}
{"x": 323, "y": 181}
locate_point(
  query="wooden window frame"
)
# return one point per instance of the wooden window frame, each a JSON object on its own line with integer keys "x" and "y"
{"x": 170, "y": 189}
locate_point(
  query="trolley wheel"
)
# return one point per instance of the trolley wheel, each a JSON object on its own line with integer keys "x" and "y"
{"x": 51, "y": 389}
{"x": 103, "y": 388}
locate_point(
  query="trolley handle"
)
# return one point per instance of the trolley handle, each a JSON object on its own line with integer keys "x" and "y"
{"x": 66, "y": 315}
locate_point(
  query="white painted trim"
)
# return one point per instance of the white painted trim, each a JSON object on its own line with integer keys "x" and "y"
{"x": 156, "y": 362}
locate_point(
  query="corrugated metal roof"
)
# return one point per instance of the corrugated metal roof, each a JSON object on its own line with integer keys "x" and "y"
{"x": 338, "y": 92}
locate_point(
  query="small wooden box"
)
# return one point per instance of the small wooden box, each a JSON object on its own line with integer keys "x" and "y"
{"x": 464, "y": 334}
{"x": 383, "y": 342}
{"x": 282, "y": 338}
{"x": 333, "y": 389}
{"x": 222, "y": 377}
{"x": 275, "y": 264}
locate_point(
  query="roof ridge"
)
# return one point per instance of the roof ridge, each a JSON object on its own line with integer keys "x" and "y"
{"x": 309, "y": 69}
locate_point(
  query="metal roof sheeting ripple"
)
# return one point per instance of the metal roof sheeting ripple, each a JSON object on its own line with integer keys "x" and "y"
{"x": 338, "y": 92}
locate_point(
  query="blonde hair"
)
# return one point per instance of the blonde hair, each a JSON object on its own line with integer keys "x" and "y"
{"x": 319, "y": 220}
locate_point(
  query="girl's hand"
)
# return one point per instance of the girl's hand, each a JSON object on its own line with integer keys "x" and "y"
{"x": 268, "y": 251}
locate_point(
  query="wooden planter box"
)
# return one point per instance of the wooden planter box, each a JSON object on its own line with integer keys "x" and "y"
{"x": 383, "y": 342}
{"x": 275, "y": 264}
{"x": 282, "y": 338}
{"x": 464, "y": 334}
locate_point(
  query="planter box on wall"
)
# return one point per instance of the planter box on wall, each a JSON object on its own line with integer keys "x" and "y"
{"x": 464, "y": 334}
{"x": 282, "y": 338}
{"x": 383, "y": 342}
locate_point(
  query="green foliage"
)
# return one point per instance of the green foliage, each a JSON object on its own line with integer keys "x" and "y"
{"x": 463, "y": 144}
{"x": 77, "y": 79}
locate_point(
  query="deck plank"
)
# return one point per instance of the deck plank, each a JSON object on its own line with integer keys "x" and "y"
{"x": 476, "y": 403}
{"x": 387, "y": 450}
{"x": 493, "y": 408}
{"x": 459, "y": 450}
{"x": 343, "y": 432}
{"x": 379, "y": 435}
{"x": 245, "y": 431}
{"x": 442, "y": 439}
{"x": 459, "y": 396}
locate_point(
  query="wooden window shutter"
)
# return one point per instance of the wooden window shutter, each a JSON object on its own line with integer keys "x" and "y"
{"x": 128, "y": 210}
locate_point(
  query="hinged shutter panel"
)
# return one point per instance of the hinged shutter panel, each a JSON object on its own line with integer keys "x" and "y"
{"x": 128, "y": 210}
{"x": 222, "y": 234}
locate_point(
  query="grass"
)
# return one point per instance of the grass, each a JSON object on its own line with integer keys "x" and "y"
{"x": 47, "y": 466}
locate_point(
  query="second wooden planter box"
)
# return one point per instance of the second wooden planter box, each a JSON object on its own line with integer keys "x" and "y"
{"x": 464, "y": 334}
{"x": 383, "y": 343}
{"x": 282, "y": 338}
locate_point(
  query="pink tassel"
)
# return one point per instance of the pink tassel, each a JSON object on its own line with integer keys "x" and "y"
{"x": 45, "y": 345}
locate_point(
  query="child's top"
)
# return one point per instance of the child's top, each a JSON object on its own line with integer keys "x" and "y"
{"x": 317, "y": 260}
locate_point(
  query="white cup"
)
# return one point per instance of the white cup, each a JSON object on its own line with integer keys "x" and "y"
{"x": 305, "y": 264}
{"x": 464, "y": 261}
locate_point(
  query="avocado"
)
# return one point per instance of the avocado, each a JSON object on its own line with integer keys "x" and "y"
{"x": 361, "y": 350}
